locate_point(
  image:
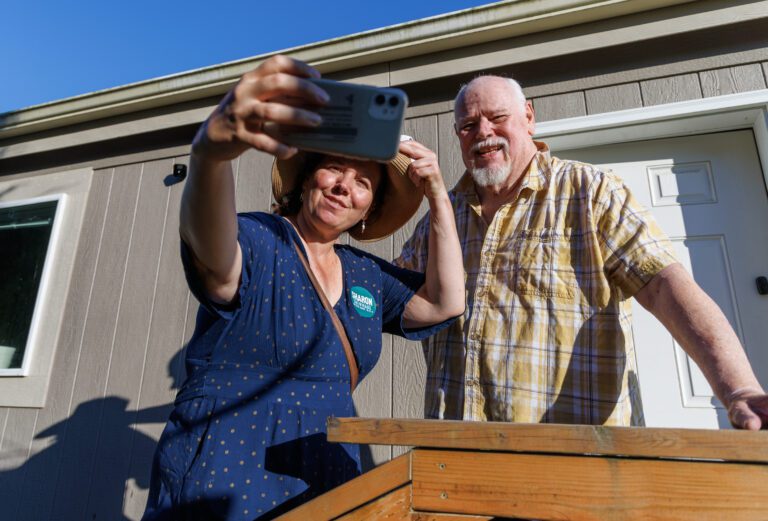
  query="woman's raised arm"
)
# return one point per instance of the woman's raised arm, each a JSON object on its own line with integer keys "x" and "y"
{"x": 442, "y": 295}
{"x": 276, "y": 91}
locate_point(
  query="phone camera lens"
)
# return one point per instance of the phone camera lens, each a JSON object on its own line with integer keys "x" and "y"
{"x": 380, "y": 99}
{"x": 393, "y": 101}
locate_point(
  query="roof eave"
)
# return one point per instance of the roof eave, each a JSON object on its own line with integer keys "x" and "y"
{"x": 473, "y": 26}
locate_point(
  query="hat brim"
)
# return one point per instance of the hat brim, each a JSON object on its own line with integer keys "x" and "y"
{"x": 398, "y": 203}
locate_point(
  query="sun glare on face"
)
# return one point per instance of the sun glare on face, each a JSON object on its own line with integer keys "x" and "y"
{"x": 341, "y": 190}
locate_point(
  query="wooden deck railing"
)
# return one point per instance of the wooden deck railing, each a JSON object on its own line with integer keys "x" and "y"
{"x": 478, "y": 470}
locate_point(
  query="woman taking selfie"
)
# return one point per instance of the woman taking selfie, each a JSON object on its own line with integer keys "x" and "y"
{"x": 266, "y": 365}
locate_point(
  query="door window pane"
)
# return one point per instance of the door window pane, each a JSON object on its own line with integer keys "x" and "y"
{"x": 24, "y": 235}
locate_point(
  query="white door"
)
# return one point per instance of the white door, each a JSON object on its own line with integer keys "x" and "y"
{"x": 708, "y": 194}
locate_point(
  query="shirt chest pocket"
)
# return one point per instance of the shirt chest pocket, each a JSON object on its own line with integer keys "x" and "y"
{"x": 543, "y": 266}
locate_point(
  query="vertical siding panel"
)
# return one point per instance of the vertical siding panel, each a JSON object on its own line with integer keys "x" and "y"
{"x": 615, "y": 97}
{"x": 671, "y": 89}
{"x": 408, "y": 367}
{"x": 19, "y": 430}
{"x": 254, "y": 182}
{"x": 373, "y": 398}
{"x": 84, "y": 423}
{"x": 48, "y": 447}
{"x": 451, "y": 163}
{"x": 731, "y": 80}
{"x": 161, "y": 372}
{"x": 560, "y": 106}
{"x": 3, "y": 423}
{"x": 112, "y": 452}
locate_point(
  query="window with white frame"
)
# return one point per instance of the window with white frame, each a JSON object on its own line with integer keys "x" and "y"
{"x": 25, "y": 232}
{"x": 41, "y": 219}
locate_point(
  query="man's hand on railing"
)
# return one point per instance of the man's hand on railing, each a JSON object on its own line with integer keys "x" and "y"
{"x": 748, "y": 409}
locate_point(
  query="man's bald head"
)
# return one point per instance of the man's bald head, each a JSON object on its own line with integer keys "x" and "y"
{"x": 514, "y": 88}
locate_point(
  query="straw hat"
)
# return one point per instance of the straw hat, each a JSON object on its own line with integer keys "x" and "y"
{"x": 396, "y": 206}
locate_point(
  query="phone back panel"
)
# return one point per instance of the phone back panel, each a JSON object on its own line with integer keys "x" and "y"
{"x": 360, "y": 121}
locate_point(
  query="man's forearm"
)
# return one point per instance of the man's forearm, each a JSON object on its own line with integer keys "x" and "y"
{"x": 700, "y": 327}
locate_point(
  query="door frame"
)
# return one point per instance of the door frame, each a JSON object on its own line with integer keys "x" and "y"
{"x": 748, "y": 110}
{"x": 687, "y": 118}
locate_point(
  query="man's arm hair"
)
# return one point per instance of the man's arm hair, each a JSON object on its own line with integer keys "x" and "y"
{"x": 700, "y": 327}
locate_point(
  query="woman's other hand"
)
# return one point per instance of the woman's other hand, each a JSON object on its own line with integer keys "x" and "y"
{"x": 276, "y": 91}
{"x": 424, "y": 170}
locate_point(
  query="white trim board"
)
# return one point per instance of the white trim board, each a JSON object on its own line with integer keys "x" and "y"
{"x": 28, "y": 387}
{"x": 747, "y": 110}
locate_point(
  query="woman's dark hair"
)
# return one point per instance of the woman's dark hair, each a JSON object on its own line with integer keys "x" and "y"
{"x": 291, "y": 202}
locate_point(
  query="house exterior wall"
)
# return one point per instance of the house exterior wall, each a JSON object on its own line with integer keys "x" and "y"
{"x": 87, "y": 453}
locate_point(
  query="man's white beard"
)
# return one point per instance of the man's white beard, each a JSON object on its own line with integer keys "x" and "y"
{"x": 490, "y": 176}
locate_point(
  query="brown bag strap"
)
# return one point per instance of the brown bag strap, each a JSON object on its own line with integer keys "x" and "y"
{"x": 354, "y": 372}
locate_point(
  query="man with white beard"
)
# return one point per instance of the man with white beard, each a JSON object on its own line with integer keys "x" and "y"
{"x": 553, "y": 250}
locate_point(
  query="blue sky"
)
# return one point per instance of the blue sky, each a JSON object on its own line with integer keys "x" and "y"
{"x": 53, "y": 49}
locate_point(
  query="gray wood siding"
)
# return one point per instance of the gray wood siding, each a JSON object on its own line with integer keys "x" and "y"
{"x": 615, "y": 97}
{"x": 560, "y": 106}
{"x": 87, "y": 453}
{"x": 731, "y": 80}
{"x": 681, "y": 87}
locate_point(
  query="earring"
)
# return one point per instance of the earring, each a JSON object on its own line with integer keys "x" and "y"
{"x": 362, "y": 227}
{"x": 301, "y": 197}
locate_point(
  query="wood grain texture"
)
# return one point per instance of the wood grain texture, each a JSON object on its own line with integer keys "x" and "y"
{"x": 430, "y": 516}
{"x": 671, "y": 89}
{"x": 731, "y": 80}
{"x": 339, "y": 501}
{"x": 587, "y": 488}
{"x": 729, "y": 445}
{"x": 615, "y": 97}
{"x": 41, "y": 470}
{"x": 395, "y": 505}
{"x": 560, "y": 106}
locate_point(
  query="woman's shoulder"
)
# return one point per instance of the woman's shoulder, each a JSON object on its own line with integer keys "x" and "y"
{"x": 361, "y": 258}
{"x": 263, "y": 223}
{"x": 267, "y": 219}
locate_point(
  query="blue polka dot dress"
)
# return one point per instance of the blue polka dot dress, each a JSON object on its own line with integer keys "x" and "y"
{"x": 247, "y": 437}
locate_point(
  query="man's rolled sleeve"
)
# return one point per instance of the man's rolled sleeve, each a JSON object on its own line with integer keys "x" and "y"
{"x": 633, "y": 246}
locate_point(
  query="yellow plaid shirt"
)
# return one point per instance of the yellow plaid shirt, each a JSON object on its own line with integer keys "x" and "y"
{"x": 546, "y": 336}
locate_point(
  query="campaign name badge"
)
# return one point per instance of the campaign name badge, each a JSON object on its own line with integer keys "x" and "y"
{"x": 363, "y": 302}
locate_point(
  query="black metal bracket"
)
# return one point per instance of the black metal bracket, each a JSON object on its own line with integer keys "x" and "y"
{"x": 762, "y": 285}
{"x": 179, "y": 171}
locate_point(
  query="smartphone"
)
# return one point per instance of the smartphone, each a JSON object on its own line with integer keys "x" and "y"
{"x": 359, "y": 121}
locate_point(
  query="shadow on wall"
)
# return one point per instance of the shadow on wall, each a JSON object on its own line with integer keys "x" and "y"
{"x": 114, "y": 466}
